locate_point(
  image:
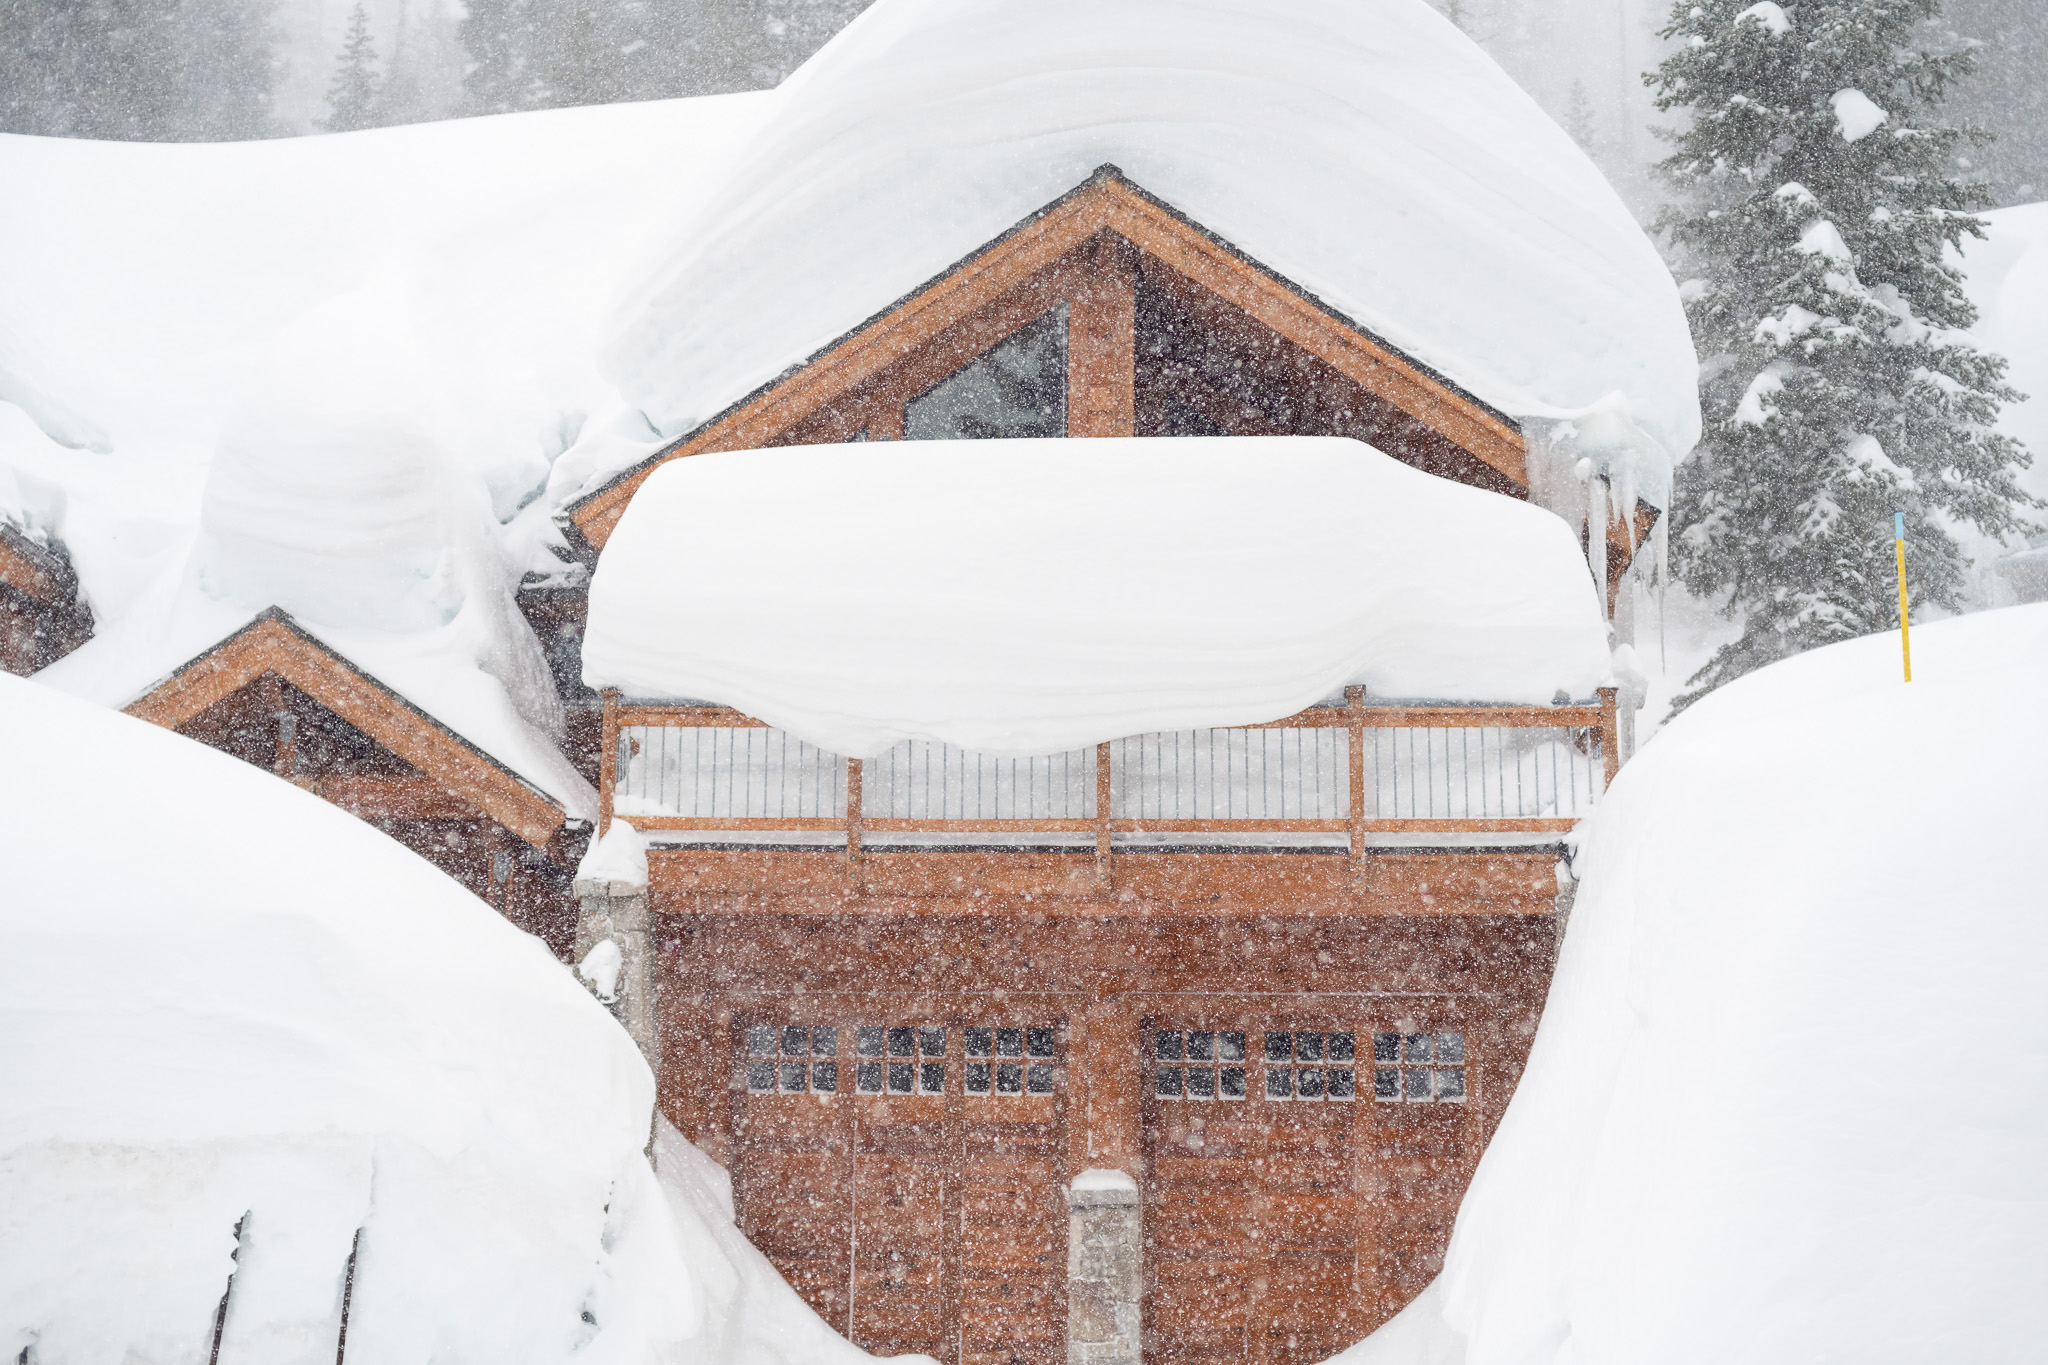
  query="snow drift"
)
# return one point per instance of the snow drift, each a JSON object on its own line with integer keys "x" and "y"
{"x": 1026, "y": 597}
{"x": 1370, "y": 153}
{"x": 1790, "y": 1091}
{"x": 223, "y": 1001}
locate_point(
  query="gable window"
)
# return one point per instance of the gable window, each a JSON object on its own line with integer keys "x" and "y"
{"x": 1017, "y": 387}
{"x": 1419, "y": 1068}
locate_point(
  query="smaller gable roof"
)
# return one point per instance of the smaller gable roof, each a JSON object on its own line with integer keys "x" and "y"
{"x": 274, "y": 643}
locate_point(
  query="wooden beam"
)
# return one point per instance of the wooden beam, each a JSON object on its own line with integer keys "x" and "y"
{"x": 1102, "y": 326}
{"x": 1103, "y": 816}
{"x": 381, "y": 797}
{"x": 853, "y": 813}
{"x": 1610, "y": 735}
{"x": 1354, "y": 721}
{"x": 608, "y": 762}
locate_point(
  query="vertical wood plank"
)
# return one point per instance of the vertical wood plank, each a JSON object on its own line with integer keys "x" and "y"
{"x": 1102, "y": 816}
{"x": 608, "y": 761}
{"x": 1354, "y": 728}
{"x": 1610, "y": 736}
{"x": 1102, "y": 319}
{"x": 853, "y": 775}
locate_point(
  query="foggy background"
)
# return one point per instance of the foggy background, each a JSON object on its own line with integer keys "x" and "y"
{"x": 199, "y": 70}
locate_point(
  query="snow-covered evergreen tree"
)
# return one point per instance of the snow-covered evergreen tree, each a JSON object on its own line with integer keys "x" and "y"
{"x": 1578, "y": 115}
{"x": 352, "y": 101}
{"x": 1819, "y": 206}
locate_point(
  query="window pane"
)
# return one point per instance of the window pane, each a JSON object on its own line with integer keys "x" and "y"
{"x": 900, "y": 1077}
{"x": 824, "y": 1077}
{"x": 1418, "y": 1047}
{"x": 1450, "y": 1047}
{"x": 1417, "y": 1087}
{"x": 760, "y": 1077}
{"x": 1016, "y": 388}
{"x": 1038, "y": 1078}
{"x": 931, "y": 1078}
{"x": 1279, "y": 1083}
{"x": 1201, "y": 1083}
{"x": 1279, "y": 1047}
{"x": 1386, "y": 1047}
{"x": 867, "y": 1040}
{"x": 1038, "y": 1041}
{"x": 1450, "y": 1085}
{"x": 1202, "y": 1047}
{"x": 977, "y": 1078}
{"x": 1230, "y": 1082}
{"x": 796, "y": 1041}
{"x": 793, "y": 1078}
{"x": 1341, "y": 1047}
{"x": 931, "y": 1042}
{"x": 1167, "y": 1081}
{"x": 1308, "y": 1083}
{"x": 761, "y": 1041}
{"x": 825, "y": 1041}
{"x": 1009, "y": 1078}
{"x": 1230, "y": 1047}
{"x": 902, "y": 1042}
{"x": 1009, "y": 1042}
{"x": 1343, "y": 1083}
{"x": 867, "y": 1078}
{"x": 979, "y": 1041}
{"x": 1308, "y": 1047}
{"x": 1168, "y": 1045}
{"x": 1386, "y": 1084}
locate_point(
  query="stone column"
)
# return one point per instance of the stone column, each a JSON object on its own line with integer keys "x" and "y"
{"x": 1105, "y": 1269}
{"x": 617, "y": 912}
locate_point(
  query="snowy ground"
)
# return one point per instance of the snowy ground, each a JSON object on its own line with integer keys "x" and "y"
{"x": 223, "y": 1001}
{"x": 1788, "y": 1096}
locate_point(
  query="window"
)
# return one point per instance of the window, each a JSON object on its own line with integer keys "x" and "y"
{"x": 899, "y": 1060}
{"x": 792, "y": 1059}
{"x": 1016, "y": 388}
{"x": 1199, "y": 1064}
{"x": 1418, "y": 1068}
{"x": 1310, "y": 1065}
{"x": 1009, "y": 1061}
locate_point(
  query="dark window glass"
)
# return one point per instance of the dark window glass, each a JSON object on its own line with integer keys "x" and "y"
{"x": 867, "y": 1078}
{"x": 1341, "y": 1048}
{"x": 977, "y": 1078}
{"x": 931, "y": 1078}
{"x": 1038, "y": 1078}
{"x": 761, "y": 1077}
{"x": 1230, "y": 1047}
{"x": 901, "y": 1074}
{"x": 825, "y": 1041}
{"x": 1308, "y": 1047}
{"x": 1009, "y": 1078}
{"x": 1417, "y": 1047}
{"x": 1016, "y": 388}
{"x": 1417, "y": 1087}
{"x": 792, "y": 1078}
{"x": 1201, "y": 1083}
{"x": 761, "y": 1041}
{"x": 1343, "y": 1083}
{"x": 1279, "y": 1083}
{"x": 796, "y": 1041}
{"x": 1009, "y": 1042}
{"x": 980, "y": 1042}
{"x": 867, "y": 1040}
{"x": 1450, "y": 1085}
{"x": 1279, "y": 1047}
{"x": 1202, "y": 1047}
{"x": 1308, "y": 1083}
{"x": 902, "y": 1042}
{"x": 1450, "y": 1047}
{"x": 1230, "y": 1082}
{"x": 1169, "y": 1045}
{"x": 824, "y": 1077}
{"x": 1386, "y": 1084}
{"x": 1038, "y": 1041}
{"x": 1167, "y": 1081}
{"x": 1386, "y": 1047}
{"x": 931, "y": 1042}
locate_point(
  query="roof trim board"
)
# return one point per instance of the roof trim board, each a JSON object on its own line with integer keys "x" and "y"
{"x": 274, "y": 643}
{"x": 38, "y": 574}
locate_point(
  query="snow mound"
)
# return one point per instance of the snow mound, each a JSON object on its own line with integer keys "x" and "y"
{"x": 1370, "y": 153}
{"x": 246, "y": 1007}
{"x": 1027, "y": 597}
{"x": 1790, "y": 1091}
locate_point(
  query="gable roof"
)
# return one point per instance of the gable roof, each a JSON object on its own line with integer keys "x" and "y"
{"x": 274, "y": 643}
{"x": 1106, "y": 202}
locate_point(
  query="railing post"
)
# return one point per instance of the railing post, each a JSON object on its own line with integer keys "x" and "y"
{"x": 1102, "y": 815}
{"x": 853, "y": 775}
{"x": 608, "y": 761}
{"x": 1610, "y": 736}
{"x": 1354, "y": 727}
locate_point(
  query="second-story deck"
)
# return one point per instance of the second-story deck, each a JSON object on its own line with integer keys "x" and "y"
{"x": 1350, "y": 806}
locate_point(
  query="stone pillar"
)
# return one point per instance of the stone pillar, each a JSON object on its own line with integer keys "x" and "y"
{"x": 617, "y": 911}
{"x": 1105, "y": 1269}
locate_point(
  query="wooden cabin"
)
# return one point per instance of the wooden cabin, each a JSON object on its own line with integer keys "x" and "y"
{"x": 1180, "y": 1048}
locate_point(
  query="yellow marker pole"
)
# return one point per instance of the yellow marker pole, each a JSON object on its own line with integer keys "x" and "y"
{"x": 1899, "y": 550}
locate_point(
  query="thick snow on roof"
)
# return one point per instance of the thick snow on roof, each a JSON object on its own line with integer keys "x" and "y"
{"x": 244, "y": 1006}
{"x": 1369, "y": 152}
{"x": 1790, "y": 1091}
{"x": 330, "y": 374}
{"x": 1025, "y": 597}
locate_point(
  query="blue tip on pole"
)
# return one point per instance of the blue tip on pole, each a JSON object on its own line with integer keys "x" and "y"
{"x": 1898, "y": 526}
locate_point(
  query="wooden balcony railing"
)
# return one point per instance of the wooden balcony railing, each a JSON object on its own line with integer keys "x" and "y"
{"x": 1342, "y": 771}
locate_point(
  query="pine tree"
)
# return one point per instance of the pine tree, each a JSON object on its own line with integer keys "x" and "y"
{"x": 1818, "y": 202}
{"x": 1578, "y": 115}
{"x": 353, "y": 99}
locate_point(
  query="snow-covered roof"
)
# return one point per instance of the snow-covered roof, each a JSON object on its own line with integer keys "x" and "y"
{"x": 1026, "y": 597}
{"x": 1369, "y": 153}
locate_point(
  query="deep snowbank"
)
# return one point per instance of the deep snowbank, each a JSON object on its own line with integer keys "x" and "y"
{"x": 1367, "y": 151}
{"x": 1029, "y": 597}
{"x": 1790, "y": 1093}
{"x": 220, "y": 996}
